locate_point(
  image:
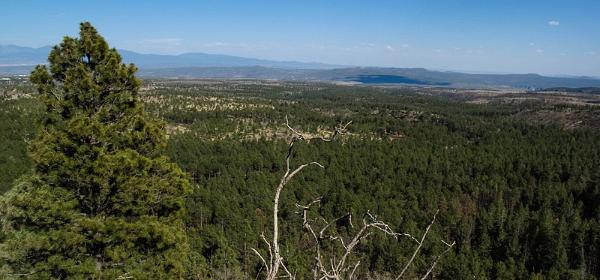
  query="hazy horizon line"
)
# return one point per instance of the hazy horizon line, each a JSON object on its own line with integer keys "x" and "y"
{"x": 334, "y": 65}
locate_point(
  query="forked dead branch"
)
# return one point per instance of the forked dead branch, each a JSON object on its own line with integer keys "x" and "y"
{"x": 330, "y": 266}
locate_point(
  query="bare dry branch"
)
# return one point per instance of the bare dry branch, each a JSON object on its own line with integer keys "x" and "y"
{"x": 353, "y": 270}
{"x": 289, "y": 274}
{"x": 262, "y": 235}
{"x": 338, "y": 267}
{"x": 449, "y": 247}
{"x": 276, "y": 260}
{"x": 261, "y": 258}
{"x": 337, "y": 130}
{"x": 412, "y": 258}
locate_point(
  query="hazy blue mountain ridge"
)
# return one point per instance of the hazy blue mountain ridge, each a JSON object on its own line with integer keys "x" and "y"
{"x": 20, "y": 60}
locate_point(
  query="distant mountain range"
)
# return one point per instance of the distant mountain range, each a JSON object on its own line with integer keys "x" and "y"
{"x": 11, "y": 55}
{"x": 20, "y": 60}
{"x": 149, "y": 61}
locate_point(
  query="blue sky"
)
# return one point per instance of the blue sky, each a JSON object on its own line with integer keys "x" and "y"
{"x": 491, "y": 36}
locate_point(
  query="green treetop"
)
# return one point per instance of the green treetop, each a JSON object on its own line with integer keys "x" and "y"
{"x": 102, "y": 201}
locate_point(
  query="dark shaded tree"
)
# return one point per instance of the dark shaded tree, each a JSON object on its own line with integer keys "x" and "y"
{"x": 102, "y": 201}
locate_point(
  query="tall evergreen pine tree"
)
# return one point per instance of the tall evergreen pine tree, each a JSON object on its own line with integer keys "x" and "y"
{"x": 102, "y": 202}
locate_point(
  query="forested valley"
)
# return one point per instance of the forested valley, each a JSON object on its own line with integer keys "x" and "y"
{"x": 520, "y": 198}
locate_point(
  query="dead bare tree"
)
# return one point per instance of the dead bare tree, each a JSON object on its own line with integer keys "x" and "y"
{"x": 275, "y": 259}
{"x": 335, "y": 267}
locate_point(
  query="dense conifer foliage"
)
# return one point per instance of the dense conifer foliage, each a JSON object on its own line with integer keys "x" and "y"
{"x": 520, "y": 198}
{"x": 101, "y": 202}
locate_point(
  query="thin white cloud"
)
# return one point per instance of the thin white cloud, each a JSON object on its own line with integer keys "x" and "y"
{"x": 389, "y": 48}
{"x": 554, "y": 23}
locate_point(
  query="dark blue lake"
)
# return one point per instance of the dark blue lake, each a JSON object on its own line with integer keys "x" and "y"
{"x": 390, "y": 79}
